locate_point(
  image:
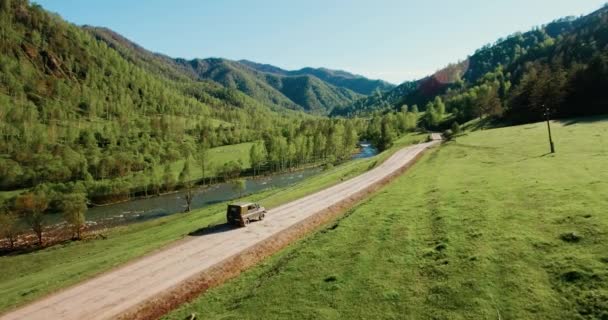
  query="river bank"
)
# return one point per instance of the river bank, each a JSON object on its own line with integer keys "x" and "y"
{"x": 100, "y": 218}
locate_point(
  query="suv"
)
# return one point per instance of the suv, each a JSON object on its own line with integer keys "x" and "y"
{"x": 242, "y": 213}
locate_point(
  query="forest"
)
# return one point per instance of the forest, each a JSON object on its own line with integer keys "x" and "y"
{"x": 558, "y": 69}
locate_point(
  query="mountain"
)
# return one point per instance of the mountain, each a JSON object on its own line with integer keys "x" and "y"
{"x": 294, "y": 92}
{"x": 73, "y": 108}
{"x": 560, "y": 42}
{"x": 313, "y": 90}
{"x": 134, "y": 53}
{"x": 338, "y": 78}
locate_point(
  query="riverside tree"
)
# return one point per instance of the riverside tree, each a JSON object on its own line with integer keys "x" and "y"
{"x": 203, "y": 157}
{"x": 185, "y": 179}
{"x": 32, "y": 207}
{"x": 257, "y": 157}
{"x": 239, "y": 186}
{"x": 74, "y": 208}
{"x": 8, "y": 226}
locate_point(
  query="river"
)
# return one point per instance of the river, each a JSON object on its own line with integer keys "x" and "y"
{"x": 156, "y": 207}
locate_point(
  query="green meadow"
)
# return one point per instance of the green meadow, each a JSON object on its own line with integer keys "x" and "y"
{"x": 488, "y": 226}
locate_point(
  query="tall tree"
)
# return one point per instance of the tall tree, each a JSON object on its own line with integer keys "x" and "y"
{"x": 239, "y": 186}
{"x": 185, "y": 176}
{"x": 32, "y": 206}
{"x": 8, "y": 226}
{"x": 257, "y": 155}
{"x": 74, "y": 208}
{"x": 203, "y": 157}
{"x": 386, "y": 135}
{"x": 185, "y": 179}
{"x": 169, "y": 178}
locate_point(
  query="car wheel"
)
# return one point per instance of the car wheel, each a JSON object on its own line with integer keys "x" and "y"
{"x": 262, "y": 216}
{"x": 247, "y": 221}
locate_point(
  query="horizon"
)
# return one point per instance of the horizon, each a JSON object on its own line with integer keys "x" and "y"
{"x": 261, "y": 32}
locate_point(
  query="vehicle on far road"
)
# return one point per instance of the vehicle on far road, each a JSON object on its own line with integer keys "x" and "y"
{"x": 243, "y": 213}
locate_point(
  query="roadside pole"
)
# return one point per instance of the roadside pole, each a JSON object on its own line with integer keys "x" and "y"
{"x": 549, "y": 130}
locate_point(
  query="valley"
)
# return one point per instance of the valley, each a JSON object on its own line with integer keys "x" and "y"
{"x": 133, "y": 182}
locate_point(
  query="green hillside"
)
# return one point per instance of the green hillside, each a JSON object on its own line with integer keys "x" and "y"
{"x": 86, "y": 113}
{"x": 560, "y": 65}
{"x": 289, "y": 91}
{"x": 313, "y": 90}
{"x": 488, "y": 226}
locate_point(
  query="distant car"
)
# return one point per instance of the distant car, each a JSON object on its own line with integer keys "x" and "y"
{"x": 243, "y": 213}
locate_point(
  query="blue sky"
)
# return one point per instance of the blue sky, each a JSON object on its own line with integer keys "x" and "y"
{"x": 394, "y": 40}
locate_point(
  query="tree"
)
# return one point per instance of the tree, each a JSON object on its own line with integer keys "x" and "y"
{"x": 185, "y": 179}
{"x": 5, "y": 6}
{"x": 455, "y": 128}
{"x": 32, "y": 206}
{"x": 155, "y": 180}
{"x": 488, "y": 102}
{"x": 169, "y": 178}
{"x": 203, "y": 157}
{"x": 189, "y": 196}
{"x": 8, "y": 227}
{"x": 239, "y": 186}
{"x": 74, "y": 208}
{"x": 431, "y": 117}
{"x": 257, "y": 156}
{"x": 350, "y": 137}
{"x": 439, "y": 106}
{"x": 144, "y": 180}
{"x": 185, "y": 176}
{"x": 386, "y": 135}
{"x": 231, "y": 170}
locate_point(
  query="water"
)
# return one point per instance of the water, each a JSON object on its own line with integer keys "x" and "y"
{"x": 366, "y": 151}
{"x": 156, "y": 207}
{"x": 164, "y": 205}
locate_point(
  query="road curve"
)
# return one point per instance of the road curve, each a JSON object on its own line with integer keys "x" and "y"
{"x": 111, "y": 294}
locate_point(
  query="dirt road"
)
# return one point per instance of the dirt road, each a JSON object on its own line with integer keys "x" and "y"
{"x": 111, "y": 294}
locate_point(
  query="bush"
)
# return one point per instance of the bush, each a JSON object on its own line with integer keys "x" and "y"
{"x": 455, "y": 128}
{"x": 448, "y": 134}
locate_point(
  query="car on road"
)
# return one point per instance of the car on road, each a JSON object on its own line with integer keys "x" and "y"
{"x": 243, "y": 213}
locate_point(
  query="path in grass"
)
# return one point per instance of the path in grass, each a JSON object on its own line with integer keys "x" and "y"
{"x": 487, "y": 227}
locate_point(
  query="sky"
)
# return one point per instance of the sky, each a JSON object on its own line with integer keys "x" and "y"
{"x": 393, "y": 40}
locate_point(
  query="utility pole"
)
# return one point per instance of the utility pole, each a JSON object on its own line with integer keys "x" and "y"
{"x": 549, "y": 129}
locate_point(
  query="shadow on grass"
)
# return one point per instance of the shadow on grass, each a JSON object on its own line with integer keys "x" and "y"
{"x": 583, "y": 120}
{"x": 30, "y": 248}
{"x": 484, "y": 124}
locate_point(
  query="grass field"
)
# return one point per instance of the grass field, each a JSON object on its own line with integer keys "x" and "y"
{"x": 217, "y": 157}
{"x": 29, "y": 276}
{"x": 489, "y": 226}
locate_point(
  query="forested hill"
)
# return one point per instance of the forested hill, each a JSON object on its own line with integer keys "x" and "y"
{"x": 303, "y": 91}
{"x": 338, "y": 78}
{"x": 80, "y": 115}
{"x": 312, "y": 90}
{"x": 562, "y": 63}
